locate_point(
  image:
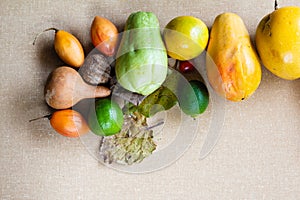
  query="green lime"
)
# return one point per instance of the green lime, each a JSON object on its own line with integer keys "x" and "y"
{"x": 107, "y": 117}
{"x": 195, "y": 98}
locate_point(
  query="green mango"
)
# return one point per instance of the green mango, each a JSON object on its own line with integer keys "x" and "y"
{"x": 160, "y": 100}
{"x": 141, "y": 62}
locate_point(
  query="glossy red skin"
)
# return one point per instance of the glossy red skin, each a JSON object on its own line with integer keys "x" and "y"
{"x": 186, "y": 66}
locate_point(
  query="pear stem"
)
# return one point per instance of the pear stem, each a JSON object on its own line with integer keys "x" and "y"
{"x": 46, "y": 116}
{"x": 48, "y": 29}
{"x": 276, "y": 5}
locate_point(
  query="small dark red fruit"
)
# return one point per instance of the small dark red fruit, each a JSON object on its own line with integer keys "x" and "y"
{"x": 186, "y": 66}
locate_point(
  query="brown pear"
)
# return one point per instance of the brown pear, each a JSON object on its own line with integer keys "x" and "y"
{"x": 65, "y": 88}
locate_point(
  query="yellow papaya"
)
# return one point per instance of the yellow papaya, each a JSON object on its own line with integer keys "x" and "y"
{"x": 232, "y": 64}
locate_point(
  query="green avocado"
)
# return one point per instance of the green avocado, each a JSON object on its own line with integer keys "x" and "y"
{"x": 141, "y": 62}
{"x": 194, "y": 98}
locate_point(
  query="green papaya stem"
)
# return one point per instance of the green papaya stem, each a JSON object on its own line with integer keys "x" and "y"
{"x": 48, "y": 29}
{"x": 46, "y": 116}
{"x": 276, "y": 5}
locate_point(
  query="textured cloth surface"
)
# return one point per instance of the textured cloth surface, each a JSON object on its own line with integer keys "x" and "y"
{"x": 257, "y": 156}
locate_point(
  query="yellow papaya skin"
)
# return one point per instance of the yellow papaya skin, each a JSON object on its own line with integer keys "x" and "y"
{"x": 232, "y": 64}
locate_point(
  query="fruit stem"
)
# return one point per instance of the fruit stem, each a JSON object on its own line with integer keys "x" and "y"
{"x": 46, "y": 116}
{"x": 48, "y": 29}
{"x": 155, "y": 125}
{"x": 176, "y": 64}
{"x": 276, "y": 5}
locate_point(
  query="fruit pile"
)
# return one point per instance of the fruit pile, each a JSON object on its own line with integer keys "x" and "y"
{"x": 142, "y": 75}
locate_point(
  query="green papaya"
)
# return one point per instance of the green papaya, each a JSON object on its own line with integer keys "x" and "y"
{"x": 141, "y": 62}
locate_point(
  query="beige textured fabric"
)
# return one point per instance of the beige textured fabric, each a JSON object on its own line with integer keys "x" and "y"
{"x": 257, "y": 156}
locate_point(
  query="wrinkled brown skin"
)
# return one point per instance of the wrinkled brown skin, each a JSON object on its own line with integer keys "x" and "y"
{"x": 69, "y": 123}
{"x": 104, "y": 35}
{"x": 233, "y": 67}
{"x": 68, "y": 48}
{"x": 65, "y": 88}
{"x": 95, "y": 69}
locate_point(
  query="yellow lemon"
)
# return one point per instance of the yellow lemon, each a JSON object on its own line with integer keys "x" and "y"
{"x": 185, "y": 37}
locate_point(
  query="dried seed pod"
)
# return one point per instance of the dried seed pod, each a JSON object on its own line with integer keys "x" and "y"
{"x": 96, "y": 69}
{"x": 132, "y": 145}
